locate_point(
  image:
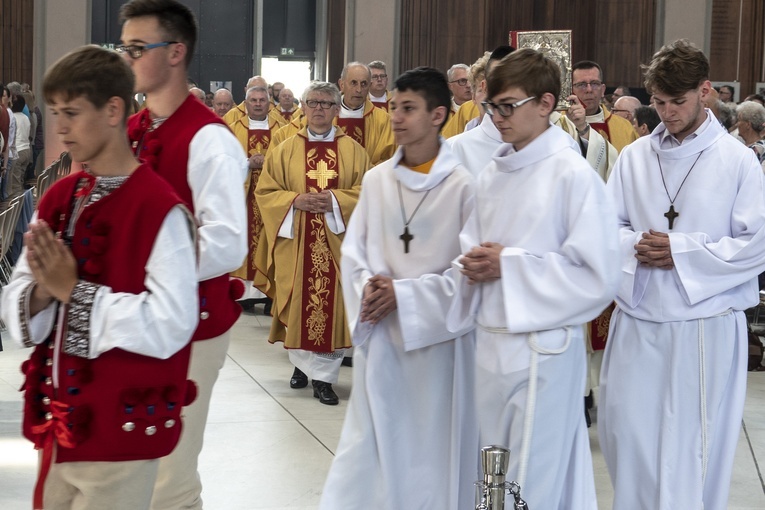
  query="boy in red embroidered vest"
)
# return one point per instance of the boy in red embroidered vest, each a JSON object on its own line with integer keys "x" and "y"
{"x": 197, "y": 154}
{"x": 105, "y": 290}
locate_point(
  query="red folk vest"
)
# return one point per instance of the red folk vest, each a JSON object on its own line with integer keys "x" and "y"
{"x": 166, "y": 149}
{"x": 119, "y": 406}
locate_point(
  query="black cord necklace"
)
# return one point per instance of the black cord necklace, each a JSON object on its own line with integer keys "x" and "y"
{"x": 671, "y": 214}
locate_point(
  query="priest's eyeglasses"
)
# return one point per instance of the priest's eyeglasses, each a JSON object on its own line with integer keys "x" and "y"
{"x": 505, "y": 109}
{"x": 325, "y": 105}
{"x": 136, "y": 51}
{"x": 461, "y": 82}
{"x": 582, "y": 85}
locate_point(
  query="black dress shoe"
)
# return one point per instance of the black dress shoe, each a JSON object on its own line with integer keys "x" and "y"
{"x": 267, "y": 307}
{"x": 323, "y": 391}
{"x": 347, "y": 361}
{"x": 299, "y": 379}
{"x": 587, "y": 418}
{"x": 247, "y": 304}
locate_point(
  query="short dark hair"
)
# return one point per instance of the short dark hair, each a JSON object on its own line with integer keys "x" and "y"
{"x": 95, "y": 73}
{"x": 431, "y": 84}
{"x": 18, "y": 104}
{"x": 498, "y": 54}
{"x": 528, "y": 70}
{"x": 587, "y": 64}
{"x": 676, "y": 68}
{"x": 177, "y": 20}
{"x": 648, "y": 116}
{"x": 501, "y": 52}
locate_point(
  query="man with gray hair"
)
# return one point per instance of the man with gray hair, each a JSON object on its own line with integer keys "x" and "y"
{"x": 751, "y": 127}
{"x": 307, "y": 191}
{"x": 378, "y": 89}
{"x": 358, "y": 117}
{"x": 459, "y": 84}
{"x": 240, "y": 110}
{"x": 254, "y": 132}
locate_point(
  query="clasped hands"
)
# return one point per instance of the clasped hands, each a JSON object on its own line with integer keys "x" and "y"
{"x": 256, "y": 161}
{"x": 379, "y": 299}
{"x": 654, "y": 250}
{"x": 52, "y": 265}
{"x": 481, "y": 264}
{"x": 314, "y": 202}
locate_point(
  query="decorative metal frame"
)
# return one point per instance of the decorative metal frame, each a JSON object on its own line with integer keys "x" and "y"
{"x": 555, "y": 45}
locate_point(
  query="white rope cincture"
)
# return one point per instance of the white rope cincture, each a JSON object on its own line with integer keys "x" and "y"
{"x": 531, "y": 398}
{"x": 703, "y": 403}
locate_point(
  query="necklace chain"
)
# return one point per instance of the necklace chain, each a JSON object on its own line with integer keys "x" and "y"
{"x": 664, "y": 182}
{"x": 403, "y": 210}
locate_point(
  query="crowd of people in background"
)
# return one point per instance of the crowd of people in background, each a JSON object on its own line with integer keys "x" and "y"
{"x": 21, "y": 138}
{"x": 457, "y": 230}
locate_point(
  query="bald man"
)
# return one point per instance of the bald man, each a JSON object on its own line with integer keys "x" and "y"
{"x": 240, "y": 110}
{"x": 223, "y": 101}
{"x": 286, "y": 109}
{"x": 625, "y": 107}
{"x": 198, "y": 93}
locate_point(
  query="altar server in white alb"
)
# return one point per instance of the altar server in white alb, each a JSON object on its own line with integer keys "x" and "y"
{"x": 689, "y": 200}
{"x": 410, "y": 438}
{"x": 540, "y": 260}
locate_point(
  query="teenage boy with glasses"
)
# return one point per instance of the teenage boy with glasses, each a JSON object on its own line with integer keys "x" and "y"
{"x": 539, "y": 261}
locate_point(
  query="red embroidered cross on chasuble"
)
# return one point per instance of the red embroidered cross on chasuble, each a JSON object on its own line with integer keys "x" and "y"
{"x": 319, "y": 269}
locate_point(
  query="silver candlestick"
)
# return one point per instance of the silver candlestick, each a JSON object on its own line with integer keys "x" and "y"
{"x": 490, "y": 492}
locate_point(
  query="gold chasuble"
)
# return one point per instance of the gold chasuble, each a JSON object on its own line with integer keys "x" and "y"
{"x": 372, "y": 131}
{"x": 457, "y": 122}
{"x": 296, "y": 113}
{"x": 617, "y": 130}
{"x": 289, "y": 130}
{"x": 353, "y": 128}
{"x": 383, "y": 105}
{"x": 235, "y": 114}
{"x": 301, "y": 273}
{"x": 254, "y": 141}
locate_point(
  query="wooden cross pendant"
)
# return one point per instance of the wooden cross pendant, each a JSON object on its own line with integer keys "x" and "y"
{"x": 406, "y": 237}
{"x": 671, "y": 215}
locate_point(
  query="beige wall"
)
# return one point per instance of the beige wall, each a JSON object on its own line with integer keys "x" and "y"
{"x": 689, "y": 19}
{"x": 60, "y": 27}
{"x": 376, "y": 33}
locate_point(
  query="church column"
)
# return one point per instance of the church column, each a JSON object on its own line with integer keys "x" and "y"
{"x": 60, "y": 27}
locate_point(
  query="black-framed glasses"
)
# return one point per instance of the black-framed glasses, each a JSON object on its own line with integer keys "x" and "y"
{"x": 461, "y": 82}
{"x": 136, "y": 50}
{"x": 379, "y": 76}
{"x": 325, "y": 105}
{"x": 581, "y": 85}
{"x": 505, "y": 109}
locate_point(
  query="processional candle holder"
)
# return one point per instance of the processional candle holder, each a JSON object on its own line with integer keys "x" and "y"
{"x": 491, "y": 491}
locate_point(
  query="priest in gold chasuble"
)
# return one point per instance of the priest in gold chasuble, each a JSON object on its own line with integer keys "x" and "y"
{"x": 254, "y": 131}
{"x": 307, "y": 192}
{"x": 359, "y": 118}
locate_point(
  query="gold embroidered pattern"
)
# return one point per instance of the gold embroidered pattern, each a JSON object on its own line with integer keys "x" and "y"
{"x": 603, "y": 321}
{"x": 258, "y": 144}
{"x": 318, "y": 283}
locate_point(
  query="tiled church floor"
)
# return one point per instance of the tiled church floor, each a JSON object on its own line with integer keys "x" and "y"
{"x": 269, "y": 447}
